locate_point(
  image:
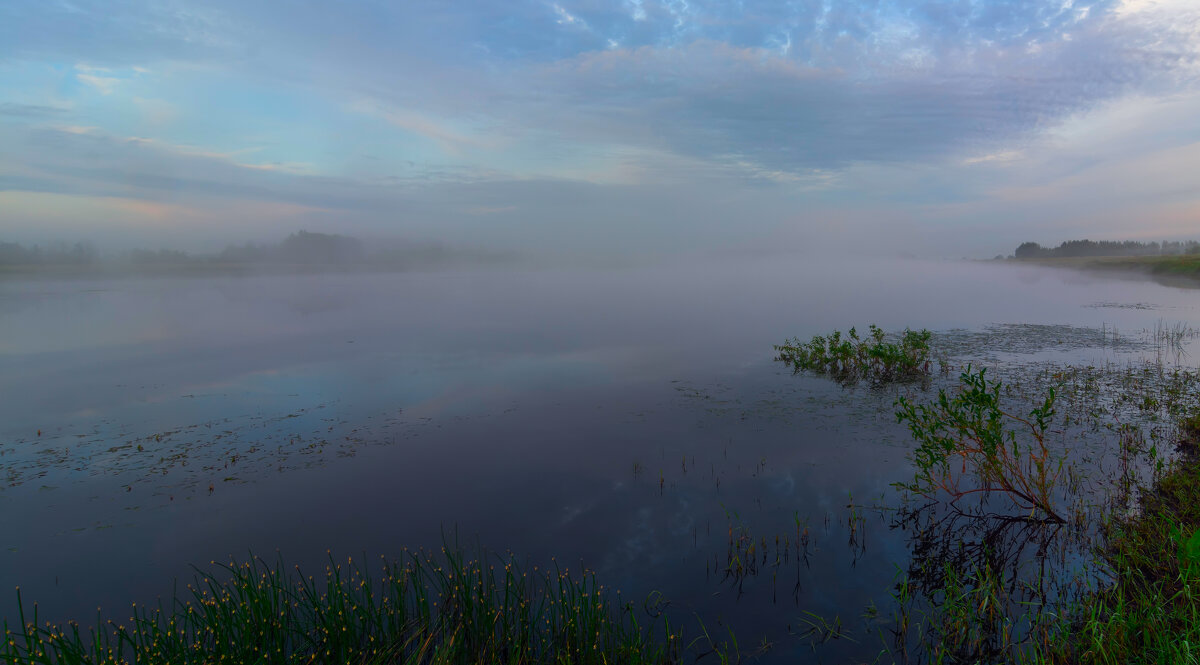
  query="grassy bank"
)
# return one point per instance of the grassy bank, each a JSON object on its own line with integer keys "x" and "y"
{"x": 427, "y": 607}
{"x": 1151, "y": 613}
{"x": 1182, "y": 268}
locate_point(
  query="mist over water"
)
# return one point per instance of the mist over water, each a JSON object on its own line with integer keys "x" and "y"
{"x": 627, "y": 419}
{"x": 342, "y": 279}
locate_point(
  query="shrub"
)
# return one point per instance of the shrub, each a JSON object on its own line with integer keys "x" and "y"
{"x": 850, "y": 358}
{"x": 967, "y": 443}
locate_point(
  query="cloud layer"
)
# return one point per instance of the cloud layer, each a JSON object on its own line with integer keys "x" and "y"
{"x": 600, "y": 124}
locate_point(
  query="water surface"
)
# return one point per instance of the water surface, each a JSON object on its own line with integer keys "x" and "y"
{"x": 630, "y": 420}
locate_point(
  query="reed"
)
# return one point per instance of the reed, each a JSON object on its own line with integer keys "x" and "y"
{"x": 444, "y": 607}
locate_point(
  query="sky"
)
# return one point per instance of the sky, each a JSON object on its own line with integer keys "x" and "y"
{"x": 934, "y": 128}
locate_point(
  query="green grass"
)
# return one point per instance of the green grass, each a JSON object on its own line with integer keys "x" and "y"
{"x": 1179, "y": 265}
{"x": 427, "y": 607}
{"x": 1151, "y": 613}
{"x": 1182, "y": 265}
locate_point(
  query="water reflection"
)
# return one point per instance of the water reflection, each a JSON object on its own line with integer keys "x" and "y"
{"x": 632, "y": 420}
{"x": 980, "y": 587}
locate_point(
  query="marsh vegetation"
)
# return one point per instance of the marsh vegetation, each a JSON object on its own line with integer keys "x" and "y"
{"x": 1032, "y": 544}
{"x": 444, "y": 607}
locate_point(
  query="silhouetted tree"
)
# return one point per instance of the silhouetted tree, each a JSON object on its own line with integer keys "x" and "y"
{"x": 319, "y": 248}
{"x": 1088, "y": 248}
{"x": 1029, "y": 250}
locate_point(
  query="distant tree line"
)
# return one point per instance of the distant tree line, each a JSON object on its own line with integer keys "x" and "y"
{"x": 1088, "y": 248}
{"x": 59, "y": 253}
{"x": 302, "y": 248}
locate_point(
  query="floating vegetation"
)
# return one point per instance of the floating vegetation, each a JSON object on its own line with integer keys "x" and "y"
{"x": 1029, "y": 338}
{"x": 185, "y": 459}
{"x": 851, "y": 358}
{"x": 427, "y": 607}
{"x": 1108, "y": 304}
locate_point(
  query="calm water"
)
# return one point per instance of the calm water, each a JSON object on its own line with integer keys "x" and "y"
{"x": 630, "y": 420}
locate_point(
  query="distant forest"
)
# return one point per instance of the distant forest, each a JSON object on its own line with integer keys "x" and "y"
{"x": 298, "y": 249}
{"x": 1076, "y": 248}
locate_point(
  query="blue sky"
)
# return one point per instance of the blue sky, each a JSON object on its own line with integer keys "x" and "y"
{"x": 944, "y": 127}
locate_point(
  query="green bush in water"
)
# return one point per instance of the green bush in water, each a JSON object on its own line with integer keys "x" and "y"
{"x": 848, "y": 358}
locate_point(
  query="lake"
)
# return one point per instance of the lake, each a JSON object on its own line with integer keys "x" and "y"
{"x": 628, "y": 420}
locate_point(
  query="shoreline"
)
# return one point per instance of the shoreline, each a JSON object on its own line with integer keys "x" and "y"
{"x": 1182, "y": 271}
{"x": 124, "y": 271}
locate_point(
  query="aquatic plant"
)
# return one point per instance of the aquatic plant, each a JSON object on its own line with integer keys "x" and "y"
{"x": 850, "y": 358}
{"x": 1189, "y": 427}
{"x": 748, "y": 556}
{"x": 967, "y": 443}
{"x": 1173, "y": 335}
{"x": 427, "y": 608}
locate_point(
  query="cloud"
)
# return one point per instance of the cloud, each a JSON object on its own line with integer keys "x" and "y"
{"x": 711, "y": 100}
{"x": 106, "y": 80}
{"x": 449, "y": 139}
{"x": 15, "y": 110}
{"x": 78, "y": 129}
{"x": 787, "y": 86}
{"x": 88, "y": 161}
{"x": 565, "y": 17}
{"x": 86, "y": 172}
{"x": 104, "y": 84}
{"x": 1002, "y": 156}
{"x": 112, "y": 34}
{"x": 597, "y": 123}
{"x": 156, "y": 111}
